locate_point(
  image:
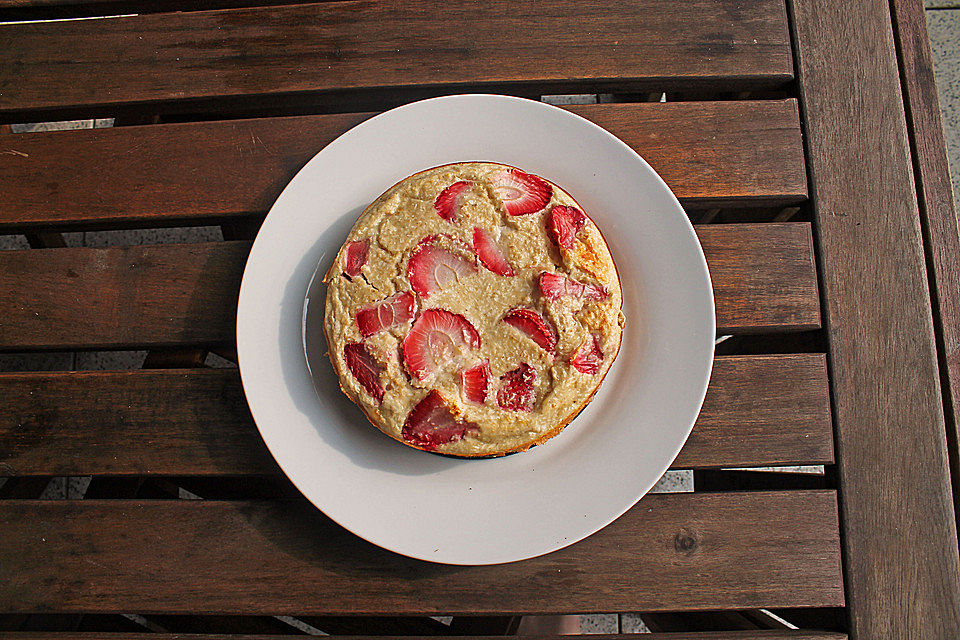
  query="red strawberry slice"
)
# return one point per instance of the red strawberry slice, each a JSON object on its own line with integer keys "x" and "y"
{"x": 395, "y": 310}
{"x": 433, "y": 268}
{"x": 534, "y": 325}
{"x": 516, "y": 389}
{"x": 448, "y": 201}
{"x": 554, "y": 286}
{"x": 364, "y": 368}
{"x": 490, "y": 254}
{"x": 589, "y": 356}
{"x": 520, "y": 192}
{"x": 437, "y": 338}
{"x": 475, "y": 382}
{"x": 563, "y": 224}
{"x": 355, "y": 257}
{"x": 431, "y": 423}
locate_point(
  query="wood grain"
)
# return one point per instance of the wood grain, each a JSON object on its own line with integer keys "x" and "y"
{"x": 902, "y": 569}
{"x": 151, "y": 296}
{"x": 671, "y": 551}
{"x": 715, "y": 635}
{"x": 359, "y": 45}
{"x": 721, "y": 153}
{"x": 761, "y": 272}
{"x": 171, "y": 295}
{"x": 938, "y": 217}
{"x": 771, "y": 408}
{"x": 53, "y": 9}
{"x": 759, "y": 410}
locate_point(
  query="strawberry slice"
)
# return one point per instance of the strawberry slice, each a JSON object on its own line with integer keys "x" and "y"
{"x": 534, "y": 326}
{"x": 355, "y": 257}
{"x": 589, "y": 356}
{"x": 490, "y": 254}
{"x": 520, "y": 192}
{"x": 475, "y": 382}
{"x": 516, "y": 389}
{"x": 364, "y": 368}
{"x": 554, "y": 286}
{"x": 448, "y": 201}
{"x": 436, "y": 338}
{"x": 431, "y": 423}
{"x": 395, "y": 310}
{"x": 432, "y": 268}
{"x": 563, "y": 225}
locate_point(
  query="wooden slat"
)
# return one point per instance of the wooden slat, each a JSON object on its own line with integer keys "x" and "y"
{"x": 54, "y": 9}
{"x": 902, "y": 570}
{"x": 759, "y": 410}
{"x": 770, "y": 408}
{"x": 708, "y": 152}
{"x": 937, "y": 213}
{"x": 671, "y": 551}
{"x": 764, "y": 276}
{"x": 170, "y": 295}
{"x": 714, "y": 635}
{"x": 357, "y": 45}
{"x": 152, "y": 296}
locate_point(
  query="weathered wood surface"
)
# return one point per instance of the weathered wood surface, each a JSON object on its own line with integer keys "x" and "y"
{"x": 716, "y": 153}
{"x": 759, "y": 410}
{"x": 700, "y": 551}
{"x": 361, "y": 46}
{"x": 901, "y": 570}
{"x": 938, "y": 214}
{"x": 171, "y": 295}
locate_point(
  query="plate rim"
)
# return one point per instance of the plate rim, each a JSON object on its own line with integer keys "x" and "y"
{"x": 610, "y": 137}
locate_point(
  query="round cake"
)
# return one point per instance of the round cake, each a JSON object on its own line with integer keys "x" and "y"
{"x": 473, "y": 310}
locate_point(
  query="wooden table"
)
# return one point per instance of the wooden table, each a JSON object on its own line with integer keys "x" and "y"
{"x": 802, "y": 138}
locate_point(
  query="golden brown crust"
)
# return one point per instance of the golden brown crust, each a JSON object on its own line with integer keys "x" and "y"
{"x": 595, "y": 268}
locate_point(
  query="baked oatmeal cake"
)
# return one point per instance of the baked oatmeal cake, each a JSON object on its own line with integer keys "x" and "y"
{"x": 473, "y": 310}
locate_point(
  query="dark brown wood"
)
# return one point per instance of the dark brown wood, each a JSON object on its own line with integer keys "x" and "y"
{"x": 761, "y": 273}
{"x": 721, "y": 635}
{"x": 354, "y": 45}
{"x": 129, "y": 423}
{"x": 770, "y": 408}
{"x": 730, "y": 152}
{"x": 186, "y": 295}
{"x": 149, "y": 296}
{"x": 938, "y": 216}
{"x": 759, "y": 410}
{"x": 54, "y": 9}
{"x": 699, "y": 551}
{"x": 902, "y": 570}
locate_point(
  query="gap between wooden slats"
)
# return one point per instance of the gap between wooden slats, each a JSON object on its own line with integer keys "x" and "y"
{"x": 669, "y": 552}
{"x": 710, "y": 154}
{"x": 170, "y": 295}
{"x": 759, "y": 411}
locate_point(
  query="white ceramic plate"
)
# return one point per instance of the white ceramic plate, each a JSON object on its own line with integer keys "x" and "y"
{"x": 477, "y": 511}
